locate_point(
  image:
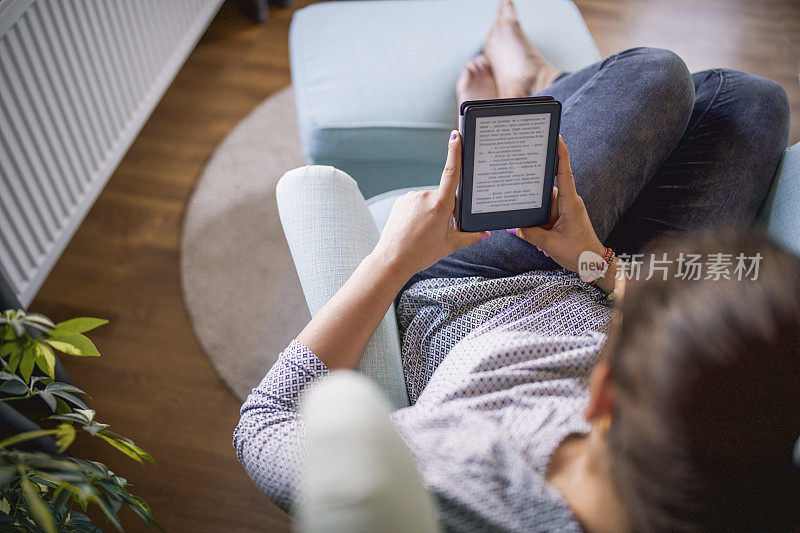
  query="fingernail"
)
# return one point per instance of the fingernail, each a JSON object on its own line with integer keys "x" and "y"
{"x": 453, "y": 135}
{"x": 512, "y": 230}
{"x": 485, "y": 237}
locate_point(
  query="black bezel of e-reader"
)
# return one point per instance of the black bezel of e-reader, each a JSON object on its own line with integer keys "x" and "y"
{"x": 465, "y": 220}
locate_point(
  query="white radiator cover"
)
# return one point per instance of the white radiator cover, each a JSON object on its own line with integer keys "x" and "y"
{"x": 78, "y": 79}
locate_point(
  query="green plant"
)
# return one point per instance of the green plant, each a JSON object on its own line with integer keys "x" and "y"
{"x": 45, "y": 492}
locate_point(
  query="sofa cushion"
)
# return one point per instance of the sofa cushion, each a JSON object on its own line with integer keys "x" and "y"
{"x": 780, "y": 213}
{"x": 374, "y": 80}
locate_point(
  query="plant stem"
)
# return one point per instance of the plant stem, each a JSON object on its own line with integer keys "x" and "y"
{"x": 16, "y": 398}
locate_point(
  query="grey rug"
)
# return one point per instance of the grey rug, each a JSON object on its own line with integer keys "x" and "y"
{"x": 239, "y": 282}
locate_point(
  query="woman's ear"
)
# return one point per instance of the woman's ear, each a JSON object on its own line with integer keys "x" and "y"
{"x": 601, "y": 393}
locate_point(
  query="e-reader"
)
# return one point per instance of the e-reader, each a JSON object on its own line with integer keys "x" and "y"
{"x": 508, "y": 162}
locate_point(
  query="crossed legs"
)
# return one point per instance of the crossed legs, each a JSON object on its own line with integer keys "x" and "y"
{"x": 655, "y": 150}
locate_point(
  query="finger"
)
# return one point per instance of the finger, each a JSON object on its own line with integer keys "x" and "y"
{"x": 553, "y": 209}
{"x": 566, "y": 182}
{"x": 538, "y": 237}
{"x": 452, "y": 169}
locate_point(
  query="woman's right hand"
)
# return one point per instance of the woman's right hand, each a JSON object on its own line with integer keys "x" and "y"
{"x": 569, "y": 232}
{"x": 420, "y": 230}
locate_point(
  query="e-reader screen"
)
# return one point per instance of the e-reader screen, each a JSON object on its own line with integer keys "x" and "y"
{"x": 509, "y": 164}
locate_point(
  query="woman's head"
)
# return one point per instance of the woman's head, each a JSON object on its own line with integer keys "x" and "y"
{"x": 705, "y": 388}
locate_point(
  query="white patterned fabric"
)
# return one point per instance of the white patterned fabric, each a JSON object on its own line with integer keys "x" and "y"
{"x": 496, "y": 371}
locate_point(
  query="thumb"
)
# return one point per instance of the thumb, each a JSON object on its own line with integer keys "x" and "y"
{"x": 464, "y": 238}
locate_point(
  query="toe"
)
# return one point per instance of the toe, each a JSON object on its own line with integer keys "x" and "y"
{"x": 506, "y": 12}
{"x": 483, "y": 63}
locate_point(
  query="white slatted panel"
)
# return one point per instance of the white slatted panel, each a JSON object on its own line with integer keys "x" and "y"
{"x": 78, "y": 79}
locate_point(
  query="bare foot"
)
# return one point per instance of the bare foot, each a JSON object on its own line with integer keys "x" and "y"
{"x": 476, "y": 81}
{"x": 519, "y": 69}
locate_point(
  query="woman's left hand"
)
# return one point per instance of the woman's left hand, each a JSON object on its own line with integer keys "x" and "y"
{"x": 420, "y": 230}
{"x": 570, "y": 231}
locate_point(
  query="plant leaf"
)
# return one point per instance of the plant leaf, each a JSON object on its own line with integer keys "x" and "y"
{"x": 62, "y": 407}
{"x": 65, "y": 436}
{"x": 28, "y": 435}
{"x": 13, "y": 350}
{"x": 40, "y": 480}
{"x": 59, "y": 386}
{"x": 28, "y": 360}
{"x": 80, "y": 523}
{"x": 110, "y": 515}
{"x": 75, "y": 416}
{"x": 9, "y": 347}
{"x": 60, "y": 498}
{"x": 70, "y": 398}
{"x": 72, "y": 344}
{"x": 37, "y": 326}
{"x": 7, "y": 475}
{"x": 37, "y": 508}
{"x": 14, "y": 387}
{"x": 78, "y": 325}
{"x": 48, "y": 398}
{"x": 126, "y": 446}
{"x": 140, "y": 507}
{"x": 85, "y": 417}
{"x": 7, "y": 333}
{"x": 39, "y": 319}
{"x": 44, "y": 379}
{"x": 45, "y": 359}
{"x": 19, "y": 328}
{"x": 13, "y": 361}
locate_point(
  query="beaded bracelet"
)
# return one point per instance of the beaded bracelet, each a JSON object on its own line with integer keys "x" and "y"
{"x": 608, "y": 257}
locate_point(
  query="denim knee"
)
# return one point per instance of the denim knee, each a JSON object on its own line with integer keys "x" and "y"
{"x": 663, "y": 73}
{"x": 663, "y": 78}
{"x": 763, "y": 103}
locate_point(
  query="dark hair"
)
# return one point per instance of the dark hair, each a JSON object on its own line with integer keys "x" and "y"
{"x": 707, "y": 391}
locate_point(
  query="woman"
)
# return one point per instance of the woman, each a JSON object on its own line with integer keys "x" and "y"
{"x": 680, "y": 429}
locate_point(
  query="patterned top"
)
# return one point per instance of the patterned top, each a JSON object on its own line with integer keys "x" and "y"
{"x": 496, "y": 371}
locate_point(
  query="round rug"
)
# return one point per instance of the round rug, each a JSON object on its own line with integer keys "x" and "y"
{"x": 238, "y": 278}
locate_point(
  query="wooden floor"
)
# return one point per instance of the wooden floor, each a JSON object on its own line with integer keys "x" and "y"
{"x": 153, "y": 382}
{"x": 758, "y": 36}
